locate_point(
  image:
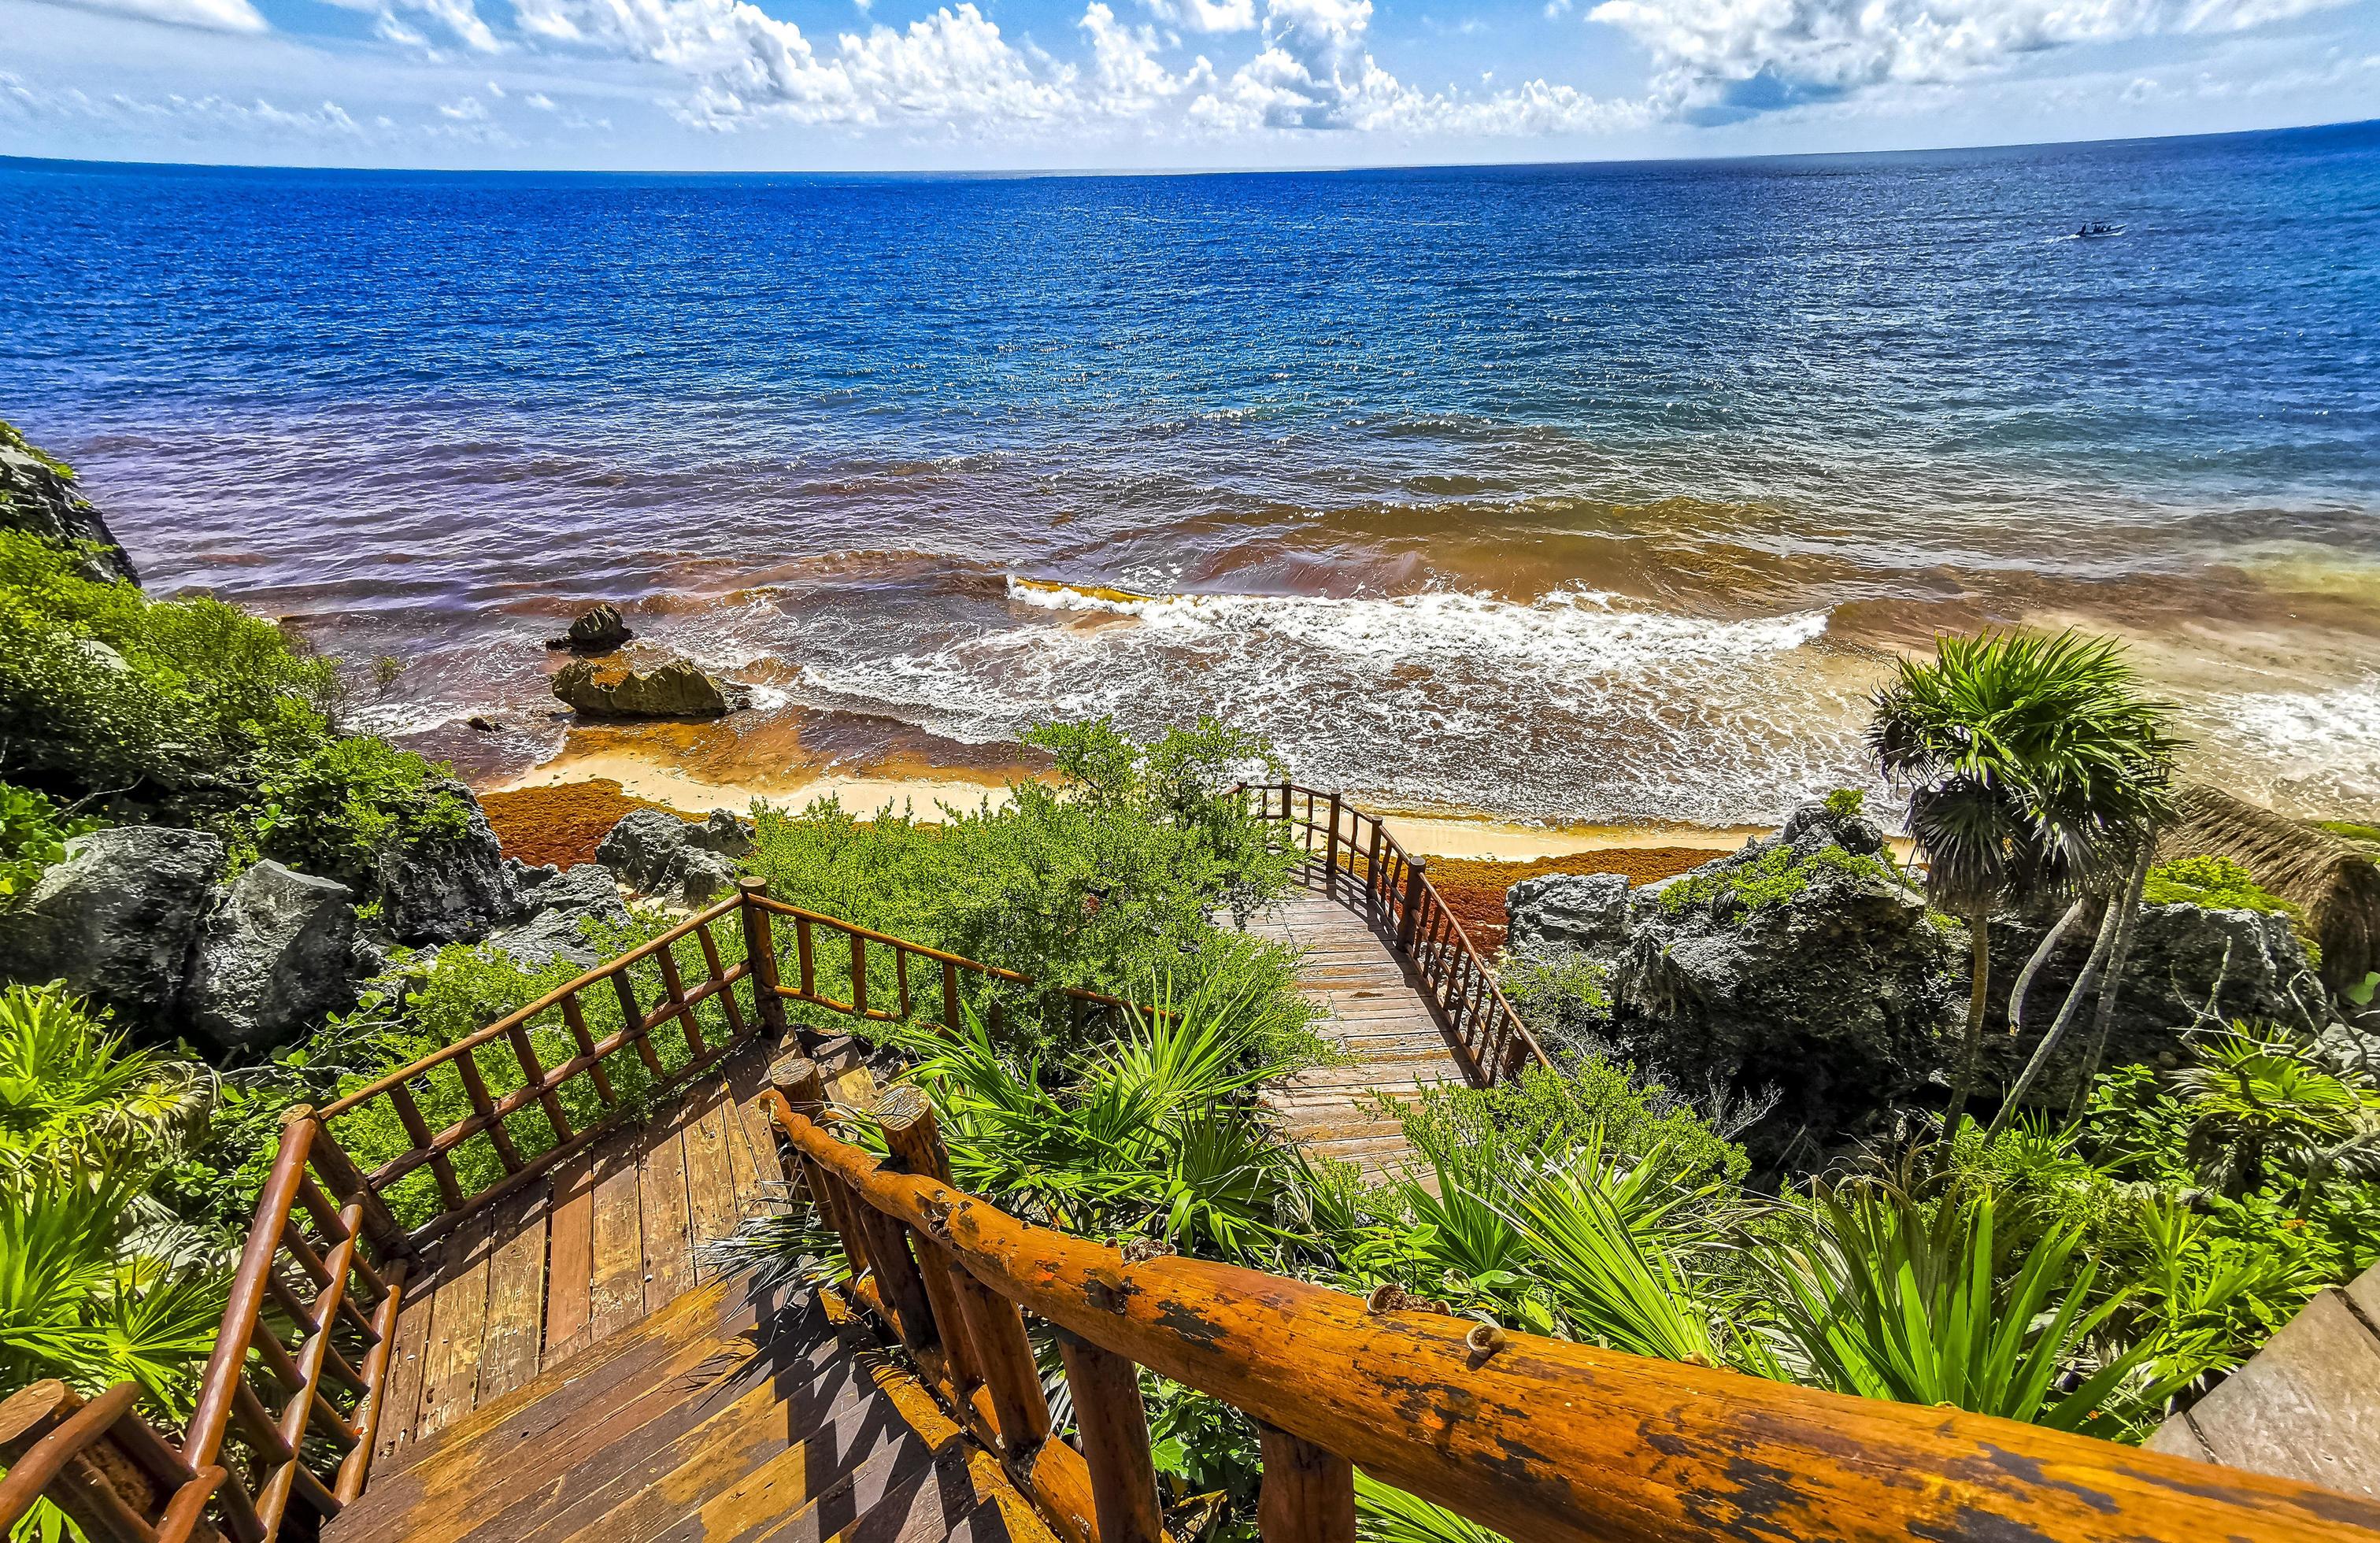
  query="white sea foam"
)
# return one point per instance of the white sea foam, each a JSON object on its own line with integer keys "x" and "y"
{"x": 2315, "y": 751}
{"x": 1573, "y": 705}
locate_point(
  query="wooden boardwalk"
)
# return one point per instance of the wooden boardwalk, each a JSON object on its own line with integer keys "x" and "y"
{"x": 1374, "y": 1009}
{"x": 569, "y": 1366}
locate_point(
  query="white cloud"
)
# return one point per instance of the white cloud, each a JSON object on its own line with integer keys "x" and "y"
{"x": 213, "y": 16}
{"x": 175, "y": 113}
{"x": 468, "y": 110}
{"x": 1721, "y": 60}
{"x": 541, "y": 101}
{"x": 1205, "y": 15}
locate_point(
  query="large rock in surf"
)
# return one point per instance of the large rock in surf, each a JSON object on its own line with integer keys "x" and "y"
{"x": 676, "y": 690}
{"x": 601, "y": 630}
{"x": 272, "y": 959}
{"x": 37, "y": 495}
{"x": 1801, "y": 963}
{"x": 441, "y": 889}
{"x": 688, "y": 860}
{"x": 116, "y": 920}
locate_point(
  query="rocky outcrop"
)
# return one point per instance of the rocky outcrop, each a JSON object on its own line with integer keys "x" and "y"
{"x": 677, "y": 689}
{"x": 686, "y": 860}
{"x": 2190, "y": 966}
{"x": 439, "y": 889}
{"x": 1584, "y": 913}
{"x": 564, "y": 903}
{"x": 116, "y": 920}
{"x": 37, "y": 495}
{"x": 272, "y": 959}
{"x": 601, "y": 630}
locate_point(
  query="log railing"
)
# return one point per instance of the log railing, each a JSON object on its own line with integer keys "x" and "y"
{"x": 1540, "y": 1439}
{"x": 1368, "y": 869}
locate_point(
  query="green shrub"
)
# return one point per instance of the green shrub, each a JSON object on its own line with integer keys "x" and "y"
{"x": 1778, "y": 875}
{"x": 2215, "y": 882}
{"x": 109, "y": 686}
{"x": 1546, "y": 1113}
{"x": 334, "y": 808}
{"x": 32, "y": 836}
{"x": 1560, "y": 995}
{"x": 1846, "y": 803}
{"x": 1112, "y": 877}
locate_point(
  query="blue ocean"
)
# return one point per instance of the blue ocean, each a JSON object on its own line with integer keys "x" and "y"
{"x": 1579, "y": 492}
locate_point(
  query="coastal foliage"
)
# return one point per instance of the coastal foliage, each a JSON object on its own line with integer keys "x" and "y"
{"x": 98, "y": 1282}
{"x": 198, "y": 709}
{"x": 2036, "y": 766}
{"x": 1773, "y": 878}
{"x": 33, "y": 835}
{"x": 1111, "y": 876}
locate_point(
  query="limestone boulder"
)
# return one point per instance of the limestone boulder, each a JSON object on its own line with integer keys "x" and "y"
{"x": 272, "y": 959}
{"x": 38, "y": 496}
{"x": 1586, "y": 913}
{"x": 564, "y": 903}
{"x": 116, "y": 920}
{"x": 677, "y": 689}
{"x": 599, "y": 630}
{"x": 441, "y": 889}
{"x": 690, "y": 861}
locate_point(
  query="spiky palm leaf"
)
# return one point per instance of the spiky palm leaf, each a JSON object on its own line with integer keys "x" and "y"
{"x": 72, "y": 1097}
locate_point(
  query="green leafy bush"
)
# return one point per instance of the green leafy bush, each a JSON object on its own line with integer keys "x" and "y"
{"x": 32, "y": 836}
{"x": 110, "y": 686}
{"x": 94, "y": 1287}
{"x": 2216, "y": 883}
{"x": 336, "y": 806}
{"x": 1113, "y": 875}
{"x": 1778, "y": 875}
{"x": 1561, "y": 994}
{"x": 1846, "y": 803}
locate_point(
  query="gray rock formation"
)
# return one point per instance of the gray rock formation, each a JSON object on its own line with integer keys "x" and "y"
{"x": 36, "y": 495}
{"x": 2189, "y": 965}
{"x": 692, "y": 861}
{"x": 116, "y": 920}
{"x": 562, "y": 901}
{"x": 1842, "y": 996}
{"x": 1583, "y": 912}
{"x": 676, "y": 690}
{"x": 601, "y": 630}
{"x": 272, "y": 959}
{"x": 448, "y": 889}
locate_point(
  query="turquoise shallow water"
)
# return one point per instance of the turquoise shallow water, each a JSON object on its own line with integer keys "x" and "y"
{"x": 1583, "y": 492}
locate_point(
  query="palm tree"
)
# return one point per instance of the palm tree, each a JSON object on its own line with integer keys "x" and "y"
{"x": 2261, "y": 1105}
{"x": 2033, "y": 765}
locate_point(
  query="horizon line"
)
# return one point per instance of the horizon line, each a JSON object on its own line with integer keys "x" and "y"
{"x": 1317, "y": 169}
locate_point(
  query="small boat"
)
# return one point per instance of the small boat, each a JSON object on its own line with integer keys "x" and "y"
{"x": 2093, "y": 231}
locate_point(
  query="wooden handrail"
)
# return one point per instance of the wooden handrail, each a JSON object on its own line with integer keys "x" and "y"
{"x": 1541, "y": 1438}
{"x": 1376, "y": 878}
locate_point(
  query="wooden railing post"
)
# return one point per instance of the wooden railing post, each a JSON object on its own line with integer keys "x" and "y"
{"x": 995, "y": 1332}
{"x": 1407, "y": 926}
{"x": 1113, "y": 1423}
{"x": 797, "y": 1081}
{"x": 1308, "y": 1495}
{"x": 1330, "y": 850}
{"x": 760, "y": 957}
{"x": 1376, "y": 876}
{"x": 78, "y": 1466}
{"x": 908, "y": 1121}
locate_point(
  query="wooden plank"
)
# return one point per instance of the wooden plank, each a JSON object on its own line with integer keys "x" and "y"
{"x": 515, "y": 1335}
{"x": 570, "y": 1262}
{"x": 392, "y": 1444}
{"x": 711, "y": 1211}
{"x": 616, "y": 1244}
{"x": 2307, "y": 1407}
{"x": 661, "y": 1193}
{"x": 450, "y": 1373}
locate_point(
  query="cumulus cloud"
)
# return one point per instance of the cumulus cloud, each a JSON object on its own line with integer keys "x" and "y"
{"x": 1718, "y": 60}
{"x": 213, "y": 16}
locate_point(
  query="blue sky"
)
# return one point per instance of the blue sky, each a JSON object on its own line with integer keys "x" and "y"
{"x": 986, "y": 84}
